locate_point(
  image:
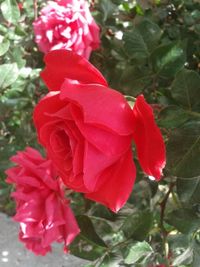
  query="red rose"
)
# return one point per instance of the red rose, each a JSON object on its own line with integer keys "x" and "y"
{"x": 87, "y": 129}
{"x": 67, "y": 24}
{"x": 42, "y": 211}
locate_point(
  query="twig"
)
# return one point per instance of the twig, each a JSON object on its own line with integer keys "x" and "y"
{"x": 163, "y": 204}
{"x": 35, "y": 8}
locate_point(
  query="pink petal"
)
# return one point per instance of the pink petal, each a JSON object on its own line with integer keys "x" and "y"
{"x": 63, "y": 64}
{"x": 71, "y": 228}
{"x": 148, "y": 139}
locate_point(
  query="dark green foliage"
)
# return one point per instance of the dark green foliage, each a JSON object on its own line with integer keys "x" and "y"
{"x": 150, "y": 47}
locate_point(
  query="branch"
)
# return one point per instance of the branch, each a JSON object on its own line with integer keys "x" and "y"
{"x": 35, "y": 8}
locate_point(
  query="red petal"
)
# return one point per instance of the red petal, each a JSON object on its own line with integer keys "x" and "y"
{"x": 50, "y": 104}
{"x": 94, "y": 163}
{"x": 63, "y": 64}
{"x": 101, "y": 106}
{"x": 109, "y": 143}
{"x": 148, "y": 139}
{"x": 116, "y": 184}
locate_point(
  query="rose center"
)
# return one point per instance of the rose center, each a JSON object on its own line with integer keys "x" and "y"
{"x": 60, "y": 144}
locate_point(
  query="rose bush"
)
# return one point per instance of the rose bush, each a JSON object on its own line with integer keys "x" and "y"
{"x": 149, "y": 48}
{"x": 66, "y": 24}
{"x": 87, "y": 129}
{"x": 41, "y": 208}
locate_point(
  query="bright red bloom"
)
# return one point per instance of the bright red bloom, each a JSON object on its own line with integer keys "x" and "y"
{"x": 67, "y": 24}
{"x": 42, "y": 210}
{"x": 87, "y": 129}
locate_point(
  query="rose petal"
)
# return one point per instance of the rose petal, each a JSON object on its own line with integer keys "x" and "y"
{"x": 94, "y": 163}
{"x": 101, "y": 106}
{"x": 51, "y": 104}
{"x": 148, "y": 139}
{"x": 107, "y": 142}
{"x": 69, "y": 66}
{"x": 116, "y": 183}
{"x": 70, "y": 229}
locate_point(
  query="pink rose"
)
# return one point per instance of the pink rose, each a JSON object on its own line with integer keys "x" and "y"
{"x": 67, "y": 24}
{"x": 87, "y": 129}
{"x": 42, "y": 211}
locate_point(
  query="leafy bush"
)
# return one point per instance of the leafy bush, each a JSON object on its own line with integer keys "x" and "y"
{"x": 149, "y": 47}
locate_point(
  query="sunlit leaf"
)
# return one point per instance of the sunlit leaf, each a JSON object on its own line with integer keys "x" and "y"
{"x": 110, "y": 260}
{"x": 4, "y": 46}
{"x": 168, "y": 59}
{"x": 137, "y": 251}
{"x": 10, "y": 10}
{"x": 8, "y": 74}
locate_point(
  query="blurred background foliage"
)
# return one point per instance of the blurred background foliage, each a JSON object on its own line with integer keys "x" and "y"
{"x": 150, "y": 47}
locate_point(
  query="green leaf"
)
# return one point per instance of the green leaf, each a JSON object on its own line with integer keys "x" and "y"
{"x": 188, "y": 190}
{"x": 107, "y": 8}
{"x": 150, "y": 33}
{"x": 186, "y": 88}
{"x": 184, "y": 257}
{"x": 88, "y": 245}
{"x": 103, "y": 212}
{"x": 10, "y": 11}
{"x": 84, "y": 249}
{"x": 134, "y": 80}
{"x": 138, "y": 225}
{"x": 137, "y": 251}
{"x": 88, "y": 231}
{"x": 8, "y": 74}
{"x": 191, "y": 256}
{"x": 140, "y": 41}
{"x": 135, "y": 45}
{"x": 184, "y": 220}
{"x": 4, "y": 46}
{"x": 196, "y": 254}
{"x": 172, "y": 117}
{"x": 110, "y": 260}
{"x": 17, "y": 55}
{"x": 139, "y": 10}
{"x": 183, "y": 151}
{"x": 168, "y": 59}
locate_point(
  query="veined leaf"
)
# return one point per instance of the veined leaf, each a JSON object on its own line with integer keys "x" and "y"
{"x": 186, "y": 88}
{"x": 168, "y": 59}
